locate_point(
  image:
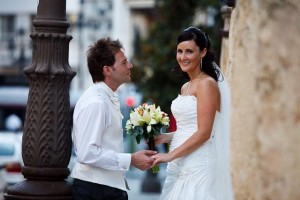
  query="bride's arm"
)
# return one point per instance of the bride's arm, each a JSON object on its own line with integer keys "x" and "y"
{"x": 207, "y": 104}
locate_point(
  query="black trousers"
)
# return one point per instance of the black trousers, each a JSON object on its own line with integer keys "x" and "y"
{"x": 83, "y": 190}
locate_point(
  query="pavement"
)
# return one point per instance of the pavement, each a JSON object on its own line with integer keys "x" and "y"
{"x": 136, "y": 194}
{"x": 136, "y": 179}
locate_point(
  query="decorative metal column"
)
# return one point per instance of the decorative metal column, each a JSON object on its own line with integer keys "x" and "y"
{"x": 46, "y": 145}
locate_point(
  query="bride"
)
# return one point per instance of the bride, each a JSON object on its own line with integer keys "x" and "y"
{"x": 199, "y": 158}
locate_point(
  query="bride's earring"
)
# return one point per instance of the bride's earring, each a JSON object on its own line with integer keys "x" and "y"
{"x": 201, "y": 64}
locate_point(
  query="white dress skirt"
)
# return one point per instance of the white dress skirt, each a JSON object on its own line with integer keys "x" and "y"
{"x": 193, "y": 177}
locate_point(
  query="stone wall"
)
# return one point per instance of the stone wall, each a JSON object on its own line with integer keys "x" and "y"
{"x": 263, "y": 68}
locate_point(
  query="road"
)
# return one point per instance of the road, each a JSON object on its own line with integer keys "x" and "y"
{"x": 135, "y": 179}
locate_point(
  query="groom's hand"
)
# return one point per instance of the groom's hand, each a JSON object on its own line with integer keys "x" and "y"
{"x": 142, "y": 159}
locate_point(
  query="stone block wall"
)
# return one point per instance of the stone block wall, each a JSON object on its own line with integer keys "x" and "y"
{"x": 263, "y": 68}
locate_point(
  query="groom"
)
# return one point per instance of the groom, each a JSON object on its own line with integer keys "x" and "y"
{"x": 99, "y": 171}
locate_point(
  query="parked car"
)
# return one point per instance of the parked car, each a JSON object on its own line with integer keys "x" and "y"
{"x": 10, "y": 159}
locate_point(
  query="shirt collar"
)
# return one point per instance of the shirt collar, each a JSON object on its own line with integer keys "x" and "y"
{"x": 112, "y": 95}
{"x": 107, "y": 89}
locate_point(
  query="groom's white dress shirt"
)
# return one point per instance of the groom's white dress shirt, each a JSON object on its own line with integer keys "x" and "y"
{"x": 98, "y": 138}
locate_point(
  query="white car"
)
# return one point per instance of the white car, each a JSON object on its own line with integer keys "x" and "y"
{"x": 10, "y": 159}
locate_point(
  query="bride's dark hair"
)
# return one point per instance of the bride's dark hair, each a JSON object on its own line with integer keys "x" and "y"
{"x": 202, "y": 41}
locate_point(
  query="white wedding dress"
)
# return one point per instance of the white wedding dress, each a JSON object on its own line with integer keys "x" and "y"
{"x": 205, "y": 173}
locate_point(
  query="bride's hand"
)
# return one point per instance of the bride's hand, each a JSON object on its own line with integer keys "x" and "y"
{"x": 160, "y": 139}
{"x": 161, "y": 158}
{"x": 163, "y": 138}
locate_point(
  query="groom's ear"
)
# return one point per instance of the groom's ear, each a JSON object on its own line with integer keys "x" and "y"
{"x": 106, "y": 71}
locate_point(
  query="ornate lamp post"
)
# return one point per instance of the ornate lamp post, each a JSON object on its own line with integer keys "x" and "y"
{"x": 46, "y": 145}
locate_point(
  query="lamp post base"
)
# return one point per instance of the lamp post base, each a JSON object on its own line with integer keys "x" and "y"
{"x": 37, "y": 190}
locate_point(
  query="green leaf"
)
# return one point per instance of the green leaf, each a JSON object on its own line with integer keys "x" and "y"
{"x": 155, "y": 169}
{"x": 138, "y": 139}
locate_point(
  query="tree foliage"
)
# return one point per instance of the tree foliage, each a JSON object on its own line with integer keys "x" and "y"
{"x": 155, "y": 57}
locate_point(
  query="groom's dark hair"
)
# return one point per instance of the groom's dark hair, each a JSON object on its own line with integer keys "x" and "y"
{"x": 102, "y": 53}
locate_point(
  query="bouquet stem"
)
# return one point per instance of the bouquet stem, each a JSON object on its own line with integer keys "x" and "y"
{"x": 151, "y": 145}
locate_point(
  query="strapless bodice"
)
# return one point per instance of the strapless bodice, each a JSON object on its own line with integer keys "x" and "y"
{"x": 184, "y": 109}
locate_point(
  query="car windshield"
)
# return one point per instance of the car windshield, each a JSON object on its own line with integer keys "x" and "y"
{"x": 7, "y": 149}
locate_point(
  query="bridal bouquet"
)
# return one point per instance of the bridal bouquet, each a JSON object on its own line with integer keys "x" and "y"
{"x": 146, "y": 122}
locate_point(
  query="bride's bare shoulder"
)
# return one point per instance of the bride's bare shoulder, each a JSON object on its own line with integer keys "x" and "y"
{"x": 206, "y": 81}
{"x": 206, "y": 86}
{"x": 184, "y": 87}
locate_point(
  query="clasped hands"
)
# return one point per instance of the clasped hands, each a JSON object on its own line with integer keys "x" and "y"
{"x": 143, "y": 159}
{"x": 146, "y": 159}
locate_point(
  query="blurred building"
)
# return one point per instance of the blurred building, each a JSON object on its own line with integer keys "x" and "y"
{"x": 89, "y": 20}
{"x": 126, "y": 20}
{"x": 16, "y": 18}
